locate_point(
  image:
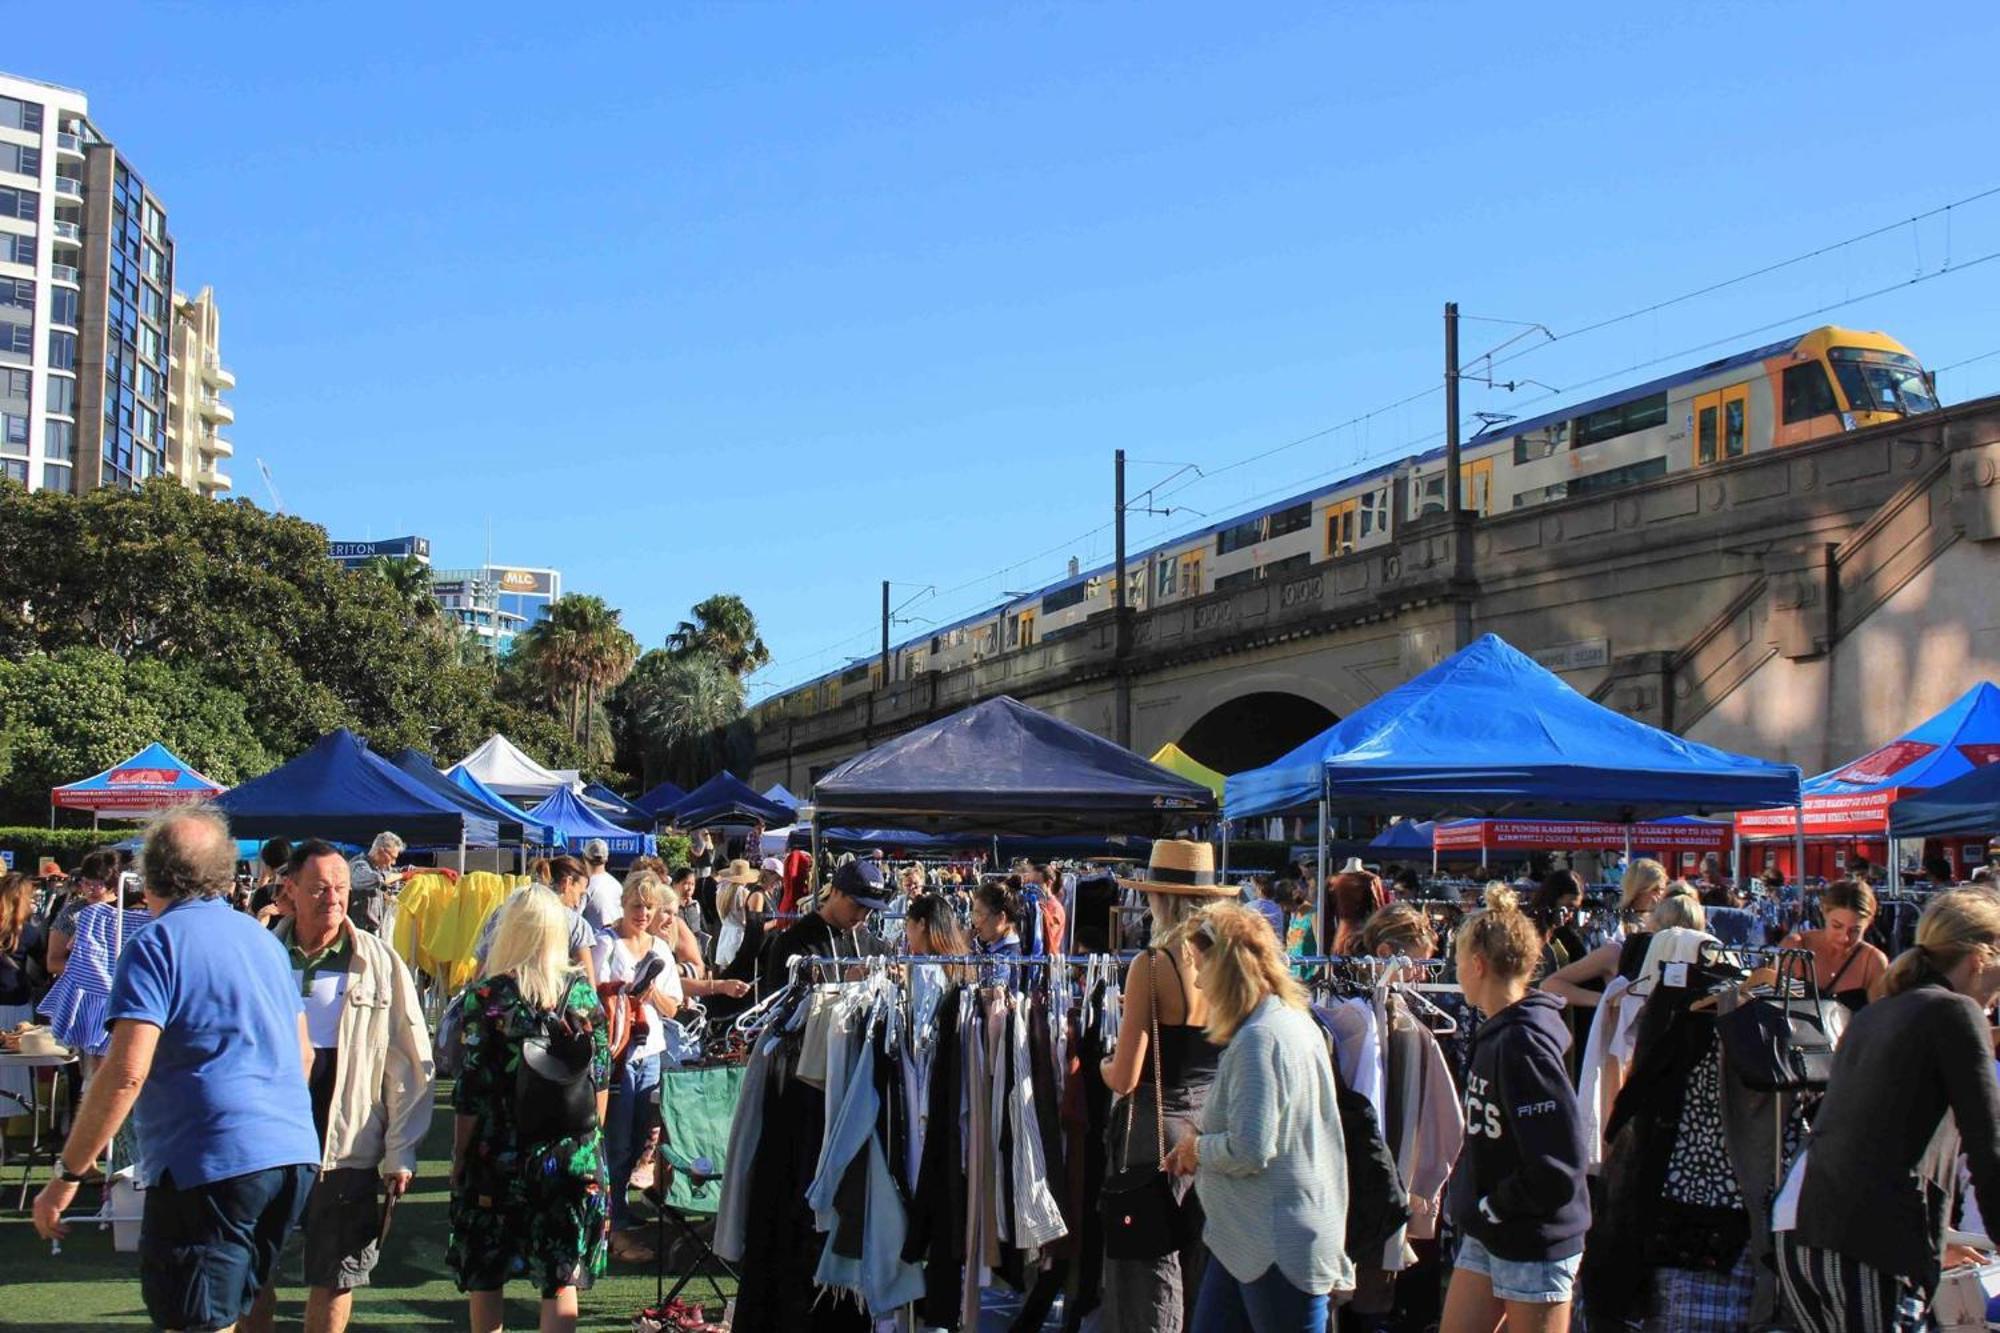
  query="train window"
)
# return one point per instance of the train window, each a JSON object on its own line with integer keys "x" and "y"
{"x": 1064, "y": 598}
{"x": 1168, "y": 567}
{"x": 1240, "y": 579}
{"x": 1544, "y": 442}
{"x": 1240, "y": 536}
{"x": 1808, "y": 394}
{"x": 1706, "y": 433}
{"x": 1427, "y": 494}
{"x": 1611, "y": 422}
{"x": 1296, "y": 519}
{"x": 1881, "y": 381}
{"x": 1374, "y": 513}
{"x": 1735, "y": 426}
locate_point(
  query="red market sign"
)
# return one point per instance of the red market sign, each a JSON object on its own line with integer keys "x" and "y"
{"x": 1545, "y": 834}
{"x": 143, "y": 777}
{"x": 1862, "y": 814}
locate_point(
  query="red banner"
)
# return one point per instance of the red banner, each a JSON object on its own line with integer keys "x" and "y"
{"x": 1859, "y": 815}
{"x": 1547, "y": 834}
{"x": 131, "y": 800}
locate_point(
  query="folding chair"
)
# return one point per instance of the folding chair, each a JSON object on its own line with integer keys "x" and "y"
{"x": 696, "y": 1107}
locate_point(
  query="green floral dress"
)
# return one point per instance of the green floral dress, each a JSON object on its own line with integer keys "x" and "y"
{"x": 537, "y": 1210}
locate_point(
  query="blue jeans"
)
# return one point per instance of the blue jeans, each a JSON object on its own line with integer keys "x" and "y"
{"x": 630, "y": 1114}
{"x": 1271, "y": 1304}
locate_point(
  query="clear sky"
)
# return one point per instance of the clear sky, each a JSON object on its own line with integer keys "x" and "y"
{"x": 785, "y": 300}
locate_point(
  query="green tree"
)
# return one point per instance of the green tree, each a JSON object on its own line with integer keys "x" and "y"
{"x": 675, "y": 710}
{"x": 580, "y": 652}
{"x": 722, "y": 628}
{"x": 410, "y": 579}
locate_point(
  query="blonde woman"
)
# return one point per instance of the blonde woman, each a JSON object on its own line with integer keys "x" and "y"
{"x": 526, "y": 1150}
{"x": 1861, "y": 1221}
{"x": 20, "y": 959}
{"x": 633, "y": 1107}
{"x": 1269, "y": 1163}
{"x": 1400, "y": 930}
{"x": 1581, "y": 983}
{"x": 1141, "y": 1295}
{"x": 737, "y": 896}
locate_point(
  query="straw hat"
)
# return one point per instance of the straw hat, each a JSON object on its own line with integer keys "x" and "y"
{"x": 1181, "y": 867}
{"x": 738, "y": 872}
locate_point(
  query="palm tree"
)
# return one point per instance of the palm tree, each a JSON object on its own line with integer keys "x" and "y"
{"x": 681, "y": 704}
{"x": 724, "y": 628}
{"x": 579, "y": 650}
{"x": 410, "y": 579}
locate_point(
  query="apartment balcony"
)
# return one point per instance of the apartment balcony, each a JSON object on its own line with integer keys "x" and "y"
{"x": 215, "y": 410}
{"x": 69, "y": 186}
{"x": 69, "y": 231}
{"x": 216, "y": 375}
{"x": 215, "y": 446}
{"x": 64, "y": 273}
{"x": 69, "y": 145}
{"x": 208, "y": 478}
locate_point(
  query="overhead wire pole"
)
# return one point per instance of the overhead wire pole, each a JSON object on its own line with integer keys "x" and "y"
{"x": 1121, "y": 630}
{"x": 1454, "y": 499}
{"x": 885, "y": 634}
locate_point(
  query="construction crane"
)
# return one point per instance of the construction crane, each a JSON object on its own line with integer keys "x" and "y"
{"x": 271, "y": 488}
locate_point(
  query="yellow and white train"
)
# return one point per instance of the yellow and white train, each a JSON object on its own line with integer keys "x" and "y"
{"x": 1817, "y": 384}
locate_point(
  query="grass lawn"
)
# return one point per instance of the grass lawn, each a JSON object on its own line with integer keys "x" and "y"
{"x": 88, "y": 1286}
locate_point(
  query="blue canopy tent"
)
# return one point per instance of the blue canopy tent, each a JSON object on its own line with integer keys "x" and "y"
{"x": 341, "y": 791}
{"x": 575, "y": 823}
{"x": 1002, "y": 767}
{"x": 725, "y": 799}
{"x": 776, "y": 792}
{"x": 1969, "y": 803}
{"x": 661, "y": 800}
{"x": 1488, "y": 731}
{"x": 539, "y": 833}
{"x": 1405, "y": 835}
{"x": 616, "y": 808}
{"x": 153, "y": 779}
{"x": 511, "y": 824}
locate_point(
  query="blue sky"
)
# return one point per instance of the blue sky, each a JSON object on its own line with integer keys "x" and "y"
{"x": 785, "y": 300}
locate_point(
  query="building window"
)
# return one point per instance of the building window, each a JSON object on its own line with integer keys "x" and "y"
{"x": 14, "y": 469}
{"x": 14, "y": 432}
{"x": 152, "y": 305}
{"x": 148, "y": 428}
{"x": 155, "y": 265}
{"x": 17, "y": 294}
{"x": 14, "y": 387}
{"x": 1808, "y": 393}
{"x": 1611, "y": 422}
{"x": 57, "y": 478}
{"x": 62, "y": 351}
{"x": 149, "y": 384}
{"x": 17, "y": 249}
{"x": 156, "y": 222}
{"x": 149, "y": 343}
{"x": 62, "y": 306}
{"x": 23, "y": 204}
{"x": 18, "y": 115}
{"x": 62, "y": 394}
{"x": 58, "y": 441}
{"x": 20, "y": 159}
{"x": 17, "y": 343}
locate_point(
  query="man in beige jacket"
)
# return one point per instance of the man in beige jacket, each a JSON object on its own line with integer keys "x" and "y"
{"x": 371, "y": 1081}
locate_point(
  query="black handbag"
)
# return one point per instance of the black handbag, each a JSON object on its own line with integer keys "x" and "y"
{"x": 1142, "y": 1216}
{"x": 553, "y": 1095}
{"x": 1784, "y": 1043}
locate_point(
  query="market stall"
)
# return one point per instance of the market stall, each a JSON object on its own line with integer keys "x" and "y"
{"x": 1176, "y": 760}
{"x": 1846, "y": 810}
{"x": 616, "y": 808}
{"x": 341, "y": 791}
{"x": 660, "y": 801}
{"x": 572, "y": 824}
{"x": 511, "y": 825}
{"x": 502, "y": 766}
{"x": 727, "y": 799}
{"x": 1488, "y": 732}
{"x": 151, "y": 780}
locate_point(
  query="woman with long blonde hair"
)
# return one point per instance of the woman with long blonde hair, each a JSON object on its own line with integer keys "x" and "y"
{"x": 21, "y": 947}
{"x": 527, "y": 1150}
{"x": 1860, "y": 1223}
{"x": 1581, "y": 983}
{"x": 1269, "y": 1163}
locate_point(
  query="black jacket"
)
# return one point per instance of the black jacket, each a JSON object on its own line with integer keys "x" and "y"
{"x": 1523, "y": 1153}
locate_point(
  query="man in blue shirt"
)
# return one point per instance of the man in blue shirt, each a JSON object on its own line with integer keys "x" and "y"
{"x": 208, "y": 1042}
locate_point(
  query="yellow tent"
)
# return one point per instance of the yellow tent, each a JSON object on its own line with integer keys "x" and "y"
{"x": 1176, "y": 760}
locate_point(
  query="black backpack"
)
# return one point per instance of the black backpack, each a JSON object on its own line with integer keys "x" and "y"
{"x": 553, "y": 1095}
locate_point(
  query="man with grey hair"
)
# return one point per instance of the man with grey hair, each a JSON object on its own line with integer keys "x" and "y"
{"x": 209, "y": 1045}
{"x": 604, "y": 896}
{"x": 372, "y": 878}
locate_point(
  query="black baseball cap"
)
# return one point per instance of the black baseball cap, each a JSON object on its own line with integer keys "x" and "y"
{"x": 862, "y": 881}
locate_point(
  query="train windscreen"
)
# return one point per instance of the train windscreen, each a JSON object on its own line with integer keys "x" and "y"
{"x": 1876, "y": 381}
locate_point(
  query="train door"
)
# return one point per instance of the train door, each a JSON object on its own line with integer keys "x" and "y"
{"x": 1475, "y": 482}
{"x": 1191, "y": 574}
{"x": 1342, "y": 522}
{"x": 1722, "y": 425}
{"x": 1027, "y": 619}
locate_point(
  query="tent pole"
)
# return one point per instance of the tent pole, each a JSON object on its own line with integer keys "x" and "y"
{"x": 1225, "y": 851}
{"x": 1736, "y": 857}
{"x": 1895, "y": 865}
{"x": 1320, "y": 867}
{"x": 1799, "y": 844}
{"x": 461, "y": 851}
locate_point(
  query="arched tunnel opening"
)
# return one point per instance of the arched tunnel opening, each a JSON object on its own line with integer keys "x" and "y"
{"x": 1255, "y": 729}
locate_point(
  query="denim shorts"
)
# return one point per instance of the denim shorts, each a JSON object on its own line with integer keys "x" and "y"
{"x": 207, "y": 1250}
{"x": 1531, "y": 1282}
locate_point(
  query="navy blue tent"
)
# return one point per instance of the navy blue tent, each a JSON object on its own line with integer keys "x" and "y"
{"x": 661, "y": 800}
{"x": 1969, "y": 803}
{"x": 575, "y": 823}
{"x": 1001, "y": 766}
{"x": 616, "y": 808}
{"x": 512, "y": 825}
{"x": 1487, "y": 731}
{"x": 726, "y": 799}
{"x": 778, "y": 792}
{"x": 341, "y": 791}
{"x": 1405, "y": 835}
{"x": 540, "y": 834}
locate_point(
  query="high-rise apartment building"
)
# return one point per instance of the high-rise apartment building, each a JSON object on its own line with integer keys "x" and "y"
{"x": 86, "y": 306}
{"x": 196, "y": 451}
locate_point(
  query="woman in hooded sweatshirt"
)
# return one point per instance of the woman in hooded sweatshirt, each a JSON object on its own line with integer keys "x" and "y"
{"x": 1517, "y": 1195}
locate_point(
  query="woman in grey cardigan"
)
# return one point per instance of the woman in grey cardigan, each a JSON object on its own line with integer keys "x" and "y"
{"x": 1270, "y": 1163}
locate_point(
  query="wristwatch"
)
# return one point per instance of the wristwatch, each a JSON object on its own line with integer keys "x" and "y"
{"x": 69, "y": 1177}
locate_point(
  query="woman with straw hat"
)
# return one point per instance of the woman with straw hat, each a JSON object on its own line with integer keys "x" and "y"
{"x": 736, "y": 897}
{"x": 1161, "y": 1089}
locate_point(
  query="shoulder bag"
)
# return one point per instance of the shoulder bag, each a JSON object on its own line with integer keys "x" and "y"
{"x": 1143, "y": 1218}
{"x": 1783, "y": 1043}
{"x": 553, "y": 1095}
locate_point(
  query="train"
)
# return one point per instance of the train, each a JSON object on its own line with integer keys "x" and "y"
{"x": 1823, "y": 382}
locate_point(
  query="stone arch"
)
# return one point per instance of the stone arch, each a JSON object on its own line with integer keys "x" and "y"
{"x": 1249, "y": 730}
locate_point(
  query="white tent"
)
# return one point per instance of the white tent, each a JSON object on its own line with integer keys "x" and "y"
{"x": 501, "y": 765}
